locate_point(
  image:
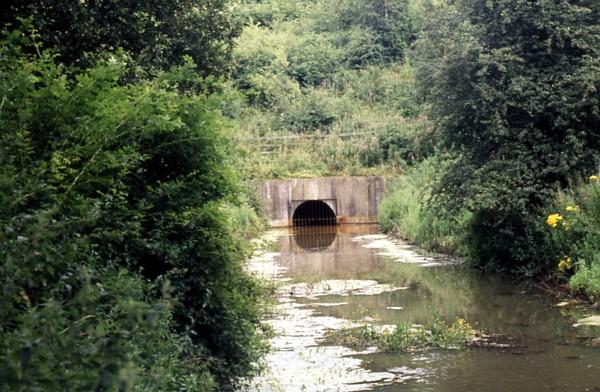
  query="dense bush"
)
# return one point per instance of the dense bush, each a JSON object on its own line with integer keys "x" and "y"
{"x": 514, "y": 91}
{"x": 573, "y": 232}
{"x": 118, "y": 265}
{"x": 388, "y": 20}
{"x": 157, "y": 34}
{"x": 312, "y": 59}
{"x": 315, "y": 110}
{"x": 327, "y": 67}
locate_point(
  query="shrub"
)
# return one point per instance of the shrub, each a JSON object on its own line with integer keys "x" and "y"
{"x": 312, "y": 59}
{"x": 119, "y": 267}
{"x": 316, "y": 110}
{"x": 513, "y": 87}
{"x": 572, "y": 228}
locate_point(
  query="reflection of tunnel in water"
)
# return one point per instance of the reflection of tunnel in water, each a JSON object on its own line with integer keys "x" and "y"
{"x": 314, "y": 238}
{"x": 313, "y": 213}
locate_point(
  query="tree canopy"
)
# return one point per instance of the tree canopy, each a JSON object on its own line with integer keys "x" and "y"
{"x": 514, "y": 91}
{"x": 157, "y": 34}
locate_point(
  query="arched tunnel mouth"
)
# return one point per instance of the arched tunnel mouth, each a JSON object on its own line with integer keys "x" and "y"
{"x": 313, "y": 213}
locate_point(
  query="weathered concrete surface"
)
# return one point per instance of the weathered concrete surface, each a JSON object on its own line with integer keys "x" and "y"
{"x": 352, "y": 199}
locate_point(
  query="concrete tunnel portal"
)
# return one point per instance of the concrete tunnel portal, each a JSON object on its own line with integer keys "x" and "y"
{"x": 313, "y": 213}
{"x": 324, "y": 201}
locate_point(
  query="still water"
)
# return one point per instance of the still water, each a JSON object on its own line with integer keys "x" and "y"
{"x": 337, "y": 277}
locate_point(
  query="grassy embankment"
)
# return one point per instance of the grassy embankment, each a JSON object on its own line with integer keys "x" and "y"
{"x": 315, "y": 92}
{"x": 397, "y": 98}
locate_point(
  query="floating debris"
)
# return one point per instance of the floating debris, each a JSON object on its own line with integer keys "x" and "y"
{"x": 593, "y": 321}
{"x": 338, "y": 287}
{"x": 401, "y": 251}
{"x": 328, "y": 304}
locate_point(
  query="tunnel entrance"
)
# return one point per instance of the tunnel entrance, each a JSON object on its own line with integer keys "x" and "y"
{"x": 313, "y": 213}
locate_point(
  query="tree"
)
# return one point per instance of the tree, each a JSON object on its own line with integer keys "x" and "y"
{"x": 156, "y": 33}
{"x": 388, "y": 20}
{"x": 514, "y": 86}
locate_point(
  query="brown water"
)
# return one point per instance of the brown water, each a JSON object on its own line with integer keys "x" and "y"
{"x": 331, "y": 278}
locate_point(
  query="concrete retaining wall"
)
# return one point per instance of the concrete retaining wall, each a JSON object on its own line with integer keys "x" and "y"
{"x": 353, "y": 199}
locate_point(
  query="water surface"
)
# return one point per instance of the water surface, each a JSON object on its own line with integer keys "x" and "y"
{"x": 335, "y": 277}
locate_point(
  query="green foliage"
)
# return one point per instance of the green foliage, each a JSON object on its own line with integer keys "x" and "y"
{"x": 389, "y": 21}
{"x": 390, "y": 87}
{"x": 266, "y": 13}
{"x": 409, "y": 210}
{"x": 325, "y": 155}
{"x": 313, "y": 68}
{"x": 119, "y": 267}
{"x": 402, "y": 144}
{"x": 587, "y": 278}
{"x": 404, "y": 337}
{"x": 313, "y": 59}
{"x": 572, "y": 229}
{"x": 514, "y": 88}
{"x": 315, "y": 110}
{"x": 156, "y": 34}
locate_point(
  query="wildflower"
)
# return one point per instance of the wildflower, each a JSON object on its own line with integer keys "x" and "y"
{"x": 565, "y": 264}
{"x": 572, "y": 208}
{"x": 553, "y": 220}
{"x": 593, "y": 178}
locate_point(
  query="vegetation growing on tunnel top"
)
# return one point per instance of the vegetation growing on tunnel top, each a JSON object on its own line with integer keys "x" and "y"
{"x": 119, "y": 265}
{"x": 518, "y": 127}
{"x": 326, "y": 89}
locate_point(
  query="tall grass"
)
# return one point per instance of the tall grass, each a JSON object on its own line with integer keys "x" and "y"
{"x": 409, "y": 210}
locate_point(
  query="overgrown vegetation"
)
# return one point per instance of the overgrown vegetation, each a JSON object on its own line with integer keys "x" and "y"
{"x": 573, "y": 224}
{"x": 404, "y": 337}
{"x": 485, "y": 110}
{"x": 120, "y": 268}
{"x": 326, "y": 88}
{"x": 156, "y": 35}
{"x": 123, "y": 222}
{"x": 513, "y": 86}
{"x": 410, "y": 211}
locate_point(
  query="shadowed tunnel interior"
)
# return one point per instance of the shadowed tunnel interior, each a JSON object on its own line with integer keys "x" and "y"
{"x": 313, "y": 213}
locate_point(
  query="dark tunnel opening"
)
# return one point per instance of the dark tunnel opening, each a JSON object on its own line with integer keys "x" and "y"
{"x": 313, "y": 213}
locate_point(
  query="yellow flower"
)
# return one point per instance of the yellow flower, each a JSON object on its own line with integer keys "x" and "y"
{"x": 553, "y": 220}
{"x": 593, "y": 178}
{"x": 572, "y": 208}
{"x": 565, "y": 264}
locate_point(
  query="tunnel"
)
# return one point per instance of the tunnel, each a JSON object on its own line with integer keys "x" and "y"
{"x": 313, "y": 213}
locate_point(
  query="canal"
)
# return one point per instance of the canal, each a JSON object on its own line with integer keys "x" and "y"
{"x": 328, "y": 278}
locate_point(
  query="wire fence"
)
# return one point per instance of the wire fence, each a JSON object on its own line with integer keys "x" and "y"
{"x": 269, "y": 144}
